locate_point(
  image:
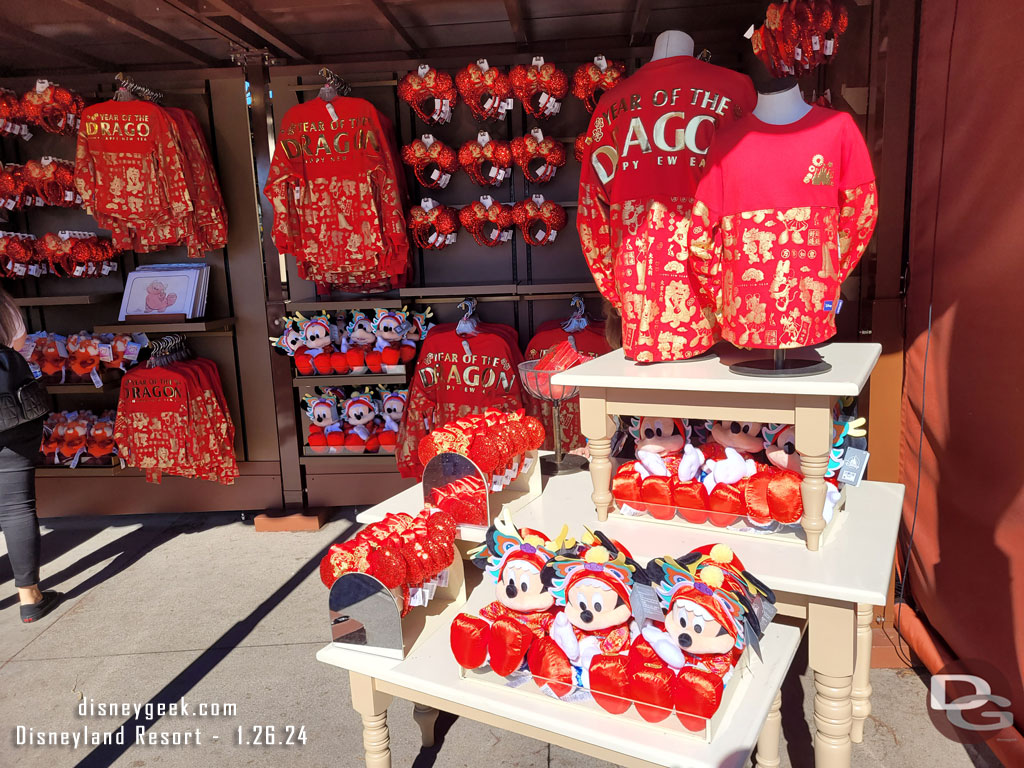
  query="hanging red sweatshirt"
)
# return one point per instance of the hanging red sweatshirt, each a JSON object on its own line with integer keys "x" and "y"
{"x": 457, "y": 376}
{"x": 337, "y": 201}
{"x": 645, "y": 151}
{"x": 782, "y": 217}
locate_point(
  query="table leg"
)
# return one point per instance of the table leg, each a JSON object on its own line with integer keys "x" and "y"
{"x": 426, "y": 718}
{"x": 372, "y": 705}
{"x": 768, "y": 743}
{"x": 831, "y": 654}
{"x": 861, "y": 693}
{"x": 813, "y": 441}
{"x": 598, "y": 429}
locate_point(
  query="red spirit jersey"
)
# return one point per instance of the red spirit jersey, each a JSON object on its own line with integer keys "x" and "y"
{"x": 456, "y": 376}
{"x": 337, "y": 198}
{"x": 782, "y": 217}
{"x": 648, "y": 141}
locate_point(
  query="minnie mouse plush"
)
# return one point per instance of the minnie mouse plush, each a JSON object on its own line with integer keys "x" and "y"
{"x": 325, "y": 430}
{"x": 359, "y": 413}
{"x": 392, "y": 348}
{"x": 317, "y": 355}
{"x": 359, "y": 343}
{"x": 392, "y": 408}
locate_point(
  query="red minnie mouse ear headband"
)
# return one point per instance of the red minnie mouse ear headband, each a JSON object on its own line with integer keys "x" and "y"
{"x": 594, "y": 78}
{"x": 489, "y": 223}
{"x": 486, "y": 161}
{"x": 430, "y": 93}
{"x": 433, "y": 162}
{"x": 538, "y": 156}
{"x": 486, "y": 90}
{"x": 539, "y": 87}
{"x": 538, "y": 220}
{"x": 433, "y": 226}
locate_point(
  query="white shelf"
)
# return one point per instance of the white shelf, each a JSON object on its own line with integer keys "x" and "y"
{"x": 431, "y": 672}
{"x": 851, "y": 366}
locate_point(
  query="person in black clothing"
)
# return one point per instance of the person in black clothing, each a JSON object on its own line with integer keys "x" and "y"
{"x": 18, "y": 449}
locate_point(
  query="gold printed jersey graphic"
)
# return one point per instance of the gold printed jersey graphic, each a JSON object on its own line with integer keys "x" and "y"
{"x": 818, "y": 172}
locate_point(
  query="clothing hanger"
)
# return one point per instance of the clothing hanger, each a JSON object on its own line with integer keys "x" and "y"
{"x": 468, "y": 324}
{"x": 127, "y": 90}
{"x": 579, "y": 319}
{"x": 335, "y": 85}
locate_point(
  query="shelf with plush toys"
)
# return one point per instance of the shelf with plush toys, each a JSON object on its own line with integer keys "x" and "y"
{"x": 222, "y": 324}
{"x": 698, "y": 426}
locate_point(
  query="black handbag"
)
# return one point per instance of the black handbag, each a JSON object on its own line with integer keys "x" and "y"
{"x": 22, "y": 398}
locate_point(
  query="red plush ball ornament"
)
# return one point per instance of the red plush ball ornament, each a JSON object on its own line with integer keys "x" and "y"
{"x": 430, "y": 93}
{"x": 486, "y": 451}
{"x": 432, "y": 229}
{"x": 487, "y": 223}
{"x": 539, "y": 223}
{"x": 538, "y": 160}
{"x": 539, "y": 88}
{"x": 433, "y": 165}
{"x": 590, "y": 81}
{"x": 484, "y": 91}
{"x": 536, "y": 431}
{"x": 486, "y": 164}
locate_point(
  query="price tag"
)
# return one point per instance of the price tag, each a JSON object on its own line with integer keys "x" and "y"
{"x": 96, "y": 380}
{"x": 855, "y": 463}
{"x": 750, "y": 32}
{"x": 35, "y": 270}
{"x": 445, "y": 179}
{"x": 26, "y": 134}
{"x": 829, "y": 46}
{"x": 509, "y": 103}
{"x": 9, "y": 205}
{"x": 106, "y": 353}
{"x": 62, "y": 348}
{"x": 29, "y": 348}
{"x": 331, "y": 111}
{"x": 141, "y": 339}
{"x": 494, "y": 172}
{"x": 645, "y": 603}
{"x": 552, "y": 236}
{"x": 798, "y": 54}
{"x": 69, "y": 196}
{"x": 20, "y": 269}
{"x": 113, "y": 266}
{"x": 815, "y": 43}
{"x": 131, "y": 350}
{"x": 436, "y": 175}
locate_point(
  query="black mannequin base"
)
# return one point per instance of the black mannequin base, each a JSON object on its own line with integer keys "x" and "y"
{"x": 570, "y": 464}
{"x": 780, "y": 365}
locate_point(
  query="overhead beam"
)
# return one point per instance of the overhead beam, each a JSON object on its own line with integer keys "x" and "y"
{"x": 387, "y": 19}
{"x": 122, "y": 19}
{"x": 641, "y": 15}
{"x": 243, "y": 13}
{"x": 514, "y": 9}
{"x": 20, "y": 34}
{"x": 223, "y": 26}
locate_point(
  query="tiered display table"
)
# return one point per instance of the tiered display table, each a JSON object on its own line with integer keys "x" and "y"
{"x": 705, "y": 389}
{"x": 831, "y": 592}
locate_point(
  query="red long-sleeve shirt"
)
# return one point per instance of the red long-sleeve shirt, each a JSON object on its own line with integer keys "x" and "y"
{"x": 782, "y": 217}
{"x": 648, "y": 139}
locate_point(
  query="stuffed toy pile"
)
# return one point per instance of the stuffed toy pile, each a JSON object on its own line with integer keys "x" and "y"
{"x": 354, "y": 422}
{"x": 563, "y": 616}
{"x": 381, "y": 342}
{"x": 79, "y": 438}
{"x": 742, "y": 475}
{"x": 79, "y": 357}
{"x": 402, "y": 551}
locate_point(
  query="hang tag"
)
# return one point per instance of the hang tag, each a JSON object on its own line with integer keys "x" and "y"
{"x": 432, "y": 240}
{"x": 26, "y": 134}
{"x": 35, "y": 270}
{"x": 489, "y": 103}
{"x": 482, "y": 63}
{"x": 538, "y": 134}
{"x": 444, "y": 180}
{"x": 506, "y": 235}
{"x": 487, "y": 200}
{"x": 645, "y": 603}
{"x": 750, "y": 32}
{"x": 815, "y": 43}
{"x": 601, "y": 62}
{"x": 829, "y": 46}
{"x": 62, "y": 348}
{"x": 855, "y": 463}
{"x": 37, "y": 372}
{"x": 483, "y": 138}
{"x": 495, "y": 170}
{"x": 427, "y": 139}
{"x": 422, "y": 70}
{"x": 29, "y": 348}
{"x": 497, "y": 483}
{"x": 538, "y": 199}
{"x": 42, "y": 85}
{"x": 106, "y": 353}
{"x": 106, "y": 268}
{"x": 428, "y": 204}
{"x": 131, "y": 350}
{"x": 9, "y": 205}
{"x": 509, "y": 103}
{"x": 113, "y": 266}
{"x": 552, "y": 236}
{"x": 450, "y": 239}
{"x": 20, "y": 270}
{"x": 96, "y": 380}
{"x": 78, "y": 271}
{"x": 542, "y": 102}
{"x": 436, "y": 175}
{"x": 331, "y": 111}
{"x": 45, "y": 160}
{"x": 538, "y": 61}
{"x": 798, "y": 54}
{"x": 141, "y": 339}
{"x": 436, "y": 114}
{"x": 69, "y": 196}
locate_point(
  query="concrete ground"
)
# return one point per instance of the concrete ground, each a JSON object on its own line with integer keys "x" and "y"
{"x": 205, "y": 608}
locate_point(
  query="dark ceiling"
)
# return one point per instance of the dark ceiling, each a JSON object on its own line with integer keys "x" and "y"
{"x": 83, "y": 36}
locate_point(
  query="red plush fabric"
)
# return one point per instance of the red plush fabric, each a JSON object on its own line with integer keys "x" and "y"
{"x": 507, "y": 646}
{"x": 609, "y": 683}
{"x": 469, "y": 640}
{"x": 696, "y": 695}
{"x": 549, "y": 665}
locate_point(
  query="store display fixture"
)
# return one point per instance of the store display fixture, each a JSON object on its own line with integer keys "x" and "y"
{"x": 66, "y": 361}
{"x": 79, "y": 438}
{"x": 353, "y": 421}
{"x": 63, "y": 254}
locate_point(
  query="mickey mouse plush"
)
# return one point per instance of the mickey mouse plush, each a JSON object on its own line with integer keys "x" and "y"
{"x": 524, "y": 607}
{"x": 359, "y": 343}
{"x": 392, "y": 348}
{"x": 325, "y": 431}
{"x": 392, "y": 408}
{"x": 359, "y": 412}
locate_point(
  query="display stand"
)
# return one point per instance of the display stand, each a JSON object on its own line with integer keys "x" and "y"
{"x": 780, "y": 365}
{"x": 611, "y": 385}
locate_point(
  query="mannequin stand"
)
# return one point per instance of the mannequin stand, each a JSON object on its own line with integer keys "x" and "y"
{"x": 780, "y": 365}
{"x": 560, "y": 463}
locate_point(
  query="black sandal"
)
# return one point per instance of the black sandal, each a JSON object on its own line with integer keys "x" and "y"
{"x": 36, "y": 611}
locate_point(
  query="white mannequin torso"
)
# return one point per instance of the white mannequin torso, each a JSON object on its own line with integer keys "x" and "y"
{"x": 672, "y": 43}
{"x": 781, "y": 108}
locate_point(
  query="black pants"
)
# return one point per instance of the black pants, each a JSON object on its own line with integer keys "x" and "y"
{"x": 18, "y": 516}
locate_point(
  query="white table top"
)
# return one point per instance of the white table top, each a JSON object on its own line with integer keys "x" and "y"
{"x": 851, "y": 366}
{"x": 431, "y": 669}
{"x": 853, "y": 565}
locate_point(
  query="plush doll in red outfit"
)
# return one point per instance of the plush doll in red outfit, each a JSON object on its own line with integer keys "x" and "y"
{"x": 360, "y": 342}
{"x": 359, "y": 413}
{"x": 317, "y": 355}
{"x": 392, "y": 348}
{"x": 524, "y": 607}
{"x": 99, "y": 442}
{"x": 291, "y": 343}
{"x": 713, "y": 609}
{"x": 392, "y": 409}
{"x": 592, "y": 585}
{"x": 420, "y": 325}
{"x": 51, "y": 362}
{"x": 325, "y": 430}
{"x": 742, "y": 436}
{"x": 83, "y": 354}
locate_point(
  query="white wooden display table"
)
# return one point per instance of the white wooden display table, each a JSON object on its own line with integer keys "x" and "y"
{"x": 704, "y": 388}
{"x": 833, "y": 590}
{"x": 429, "y": 677}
